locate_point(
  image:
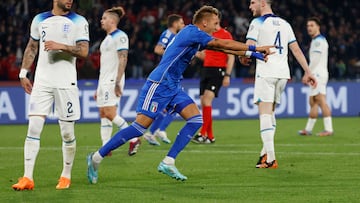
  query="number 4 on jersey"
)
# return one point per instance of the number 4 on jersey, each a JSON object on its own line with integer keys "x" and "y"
{"x": 277, "y": 42}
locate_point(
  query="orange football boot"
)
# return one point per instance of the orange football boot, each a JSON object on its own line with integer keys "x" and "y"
{"x": 24, "y": 183}
{"x": 64, "y": 183}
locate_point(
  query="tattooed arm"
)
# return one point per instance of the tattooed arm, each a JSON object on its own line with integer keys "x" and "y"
{"x": 30, "y": 53}
{"x": 80, "y": 50}
{"x": 123, "y": 56}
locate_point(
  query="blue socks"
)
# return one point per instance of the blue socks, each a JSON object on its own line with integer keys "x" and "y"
{"x": 135, "y": 130}
{"x": 121, "y": 137}
{"x": 185, "y": 135}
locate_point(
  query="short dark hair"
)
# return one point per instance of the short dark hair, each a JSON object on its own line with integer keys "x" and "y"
{"x": 173, "y": 18}
{"x": 314, "y": 19}
{"x": 204, "y": 11}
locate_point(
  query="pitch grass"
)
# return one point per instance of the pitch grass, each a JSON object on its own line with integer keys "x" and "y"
{"x": 311, "y": 169}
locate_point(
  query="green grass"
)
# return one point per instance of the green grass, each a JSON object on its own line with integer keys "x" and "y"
{"x": 311, "y": 169}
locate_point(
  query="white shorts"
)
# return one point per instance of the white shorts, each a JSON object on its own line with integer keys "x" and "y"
{"x": 105, "y": 94}
{"x": 65, "y": 100}
{"x": 321, "y": 85}
{"x": 269, "y": 89}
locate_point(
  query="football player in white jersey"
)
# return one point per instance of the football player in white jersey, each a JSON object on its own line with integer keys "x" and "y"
{"x": 59, "y": 36}
{"x": 271, "y": 77}
{"x": 114, "y": 52}
{"x": 318, "y": 55}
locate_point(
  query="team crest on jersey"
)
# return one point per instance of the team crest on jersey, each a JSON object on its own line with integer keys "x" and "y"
{"x": 317, "y": 44}
{"x": 66, "y": 28}
{"x": 154, "y": 106}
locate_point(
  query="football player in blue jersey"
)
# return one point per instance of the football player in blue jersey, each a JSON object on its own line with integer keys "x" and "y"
{"x": 175, "y": 23}
{"x": 163, "y": 90}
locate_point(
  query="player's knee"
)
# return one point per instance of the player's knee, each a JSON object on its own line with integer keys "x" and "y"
{"x": 67, "y": 130}
{"x": 107, "y": 112}
{"x": 36, "y": 124}
{"x": 105, "y": 122}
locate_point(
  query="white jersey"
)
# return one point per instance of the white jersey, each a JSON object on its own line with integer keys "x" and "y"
{"x": 318, "y": 55}
{"x": 109, "y": 59}
{"x": 272, "y": 30}
{"x": 57, "y": 68}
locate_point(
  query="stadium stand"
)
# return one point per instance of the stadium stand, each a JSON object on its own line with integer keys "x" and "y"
{"x": 146, "y": 19}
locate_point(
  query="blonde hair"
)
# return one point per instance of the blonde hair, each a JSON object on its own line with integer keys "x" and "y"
{"x": 117, "y": 11}
{"x": 204, "y": 12}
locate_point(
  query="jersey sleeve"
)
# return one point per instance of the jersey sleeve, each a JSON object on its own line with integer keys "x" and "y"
{"x": 318, "y": 46}
{"x": 34, "y": 28}
{"x": 253, "y": 31}
{"x": 164, "y": 39}
{"x": 291, "y": 35}
{"x": 122, "y": 42}
{"x": 201, "y": 37}
{"x": 82, "y": 30}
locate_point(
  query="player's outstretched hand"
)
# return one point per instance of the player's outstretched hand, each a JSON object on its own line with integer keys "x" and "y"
{"x": 265, "y": 50}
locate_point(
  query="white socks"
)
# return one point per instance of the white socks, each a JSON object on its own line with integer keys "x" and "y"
{"x": 32, "y": 144}
{"x": 273, "y": 122}
{"x": 328, "y": 124}
{"x": 310, "y": 124}
{"x": 97, "y": 158}
{"x": 68, "y": 147}
{"x": 105, "y": 130}
{"x": 267, "y": 135}
{"x": 120, "y": 122}
{"x": 169, "y": 160}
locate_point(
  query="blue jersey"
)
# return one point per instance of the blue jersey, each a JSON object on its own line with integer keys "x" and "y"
{"x": 165, "y": 38}
{"x": 178, "y": 55}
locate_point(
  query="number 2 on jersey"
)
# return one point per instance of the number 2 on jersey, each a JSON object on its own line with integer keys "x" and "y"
{"x": 277, "y": 42}
{"x": 43, "y": 34}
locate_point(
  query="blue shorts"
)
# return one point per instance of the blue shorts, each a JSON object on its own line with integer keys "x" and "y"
{"x": 155, "y": 97}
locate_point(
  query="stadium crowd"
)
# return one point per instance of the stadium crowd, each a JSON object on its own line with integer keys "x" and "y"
{"x": 146, "y": 19}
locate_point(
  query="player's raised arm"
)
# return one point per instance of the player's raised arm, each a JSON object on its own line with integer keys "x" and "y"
{"x": 239, "y": 48}
{"x": 226, "y": 44}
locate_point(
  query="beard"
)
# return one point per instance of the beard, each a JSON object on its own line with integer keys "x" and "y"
{"x": 63, "y": 7}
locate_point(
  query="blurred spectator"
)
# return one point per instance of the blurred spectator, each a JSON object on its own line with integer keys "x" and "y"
{"x": 144, "y": 21}
{"x": 340, "y": 69}
{"x": 136, "y": 57}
